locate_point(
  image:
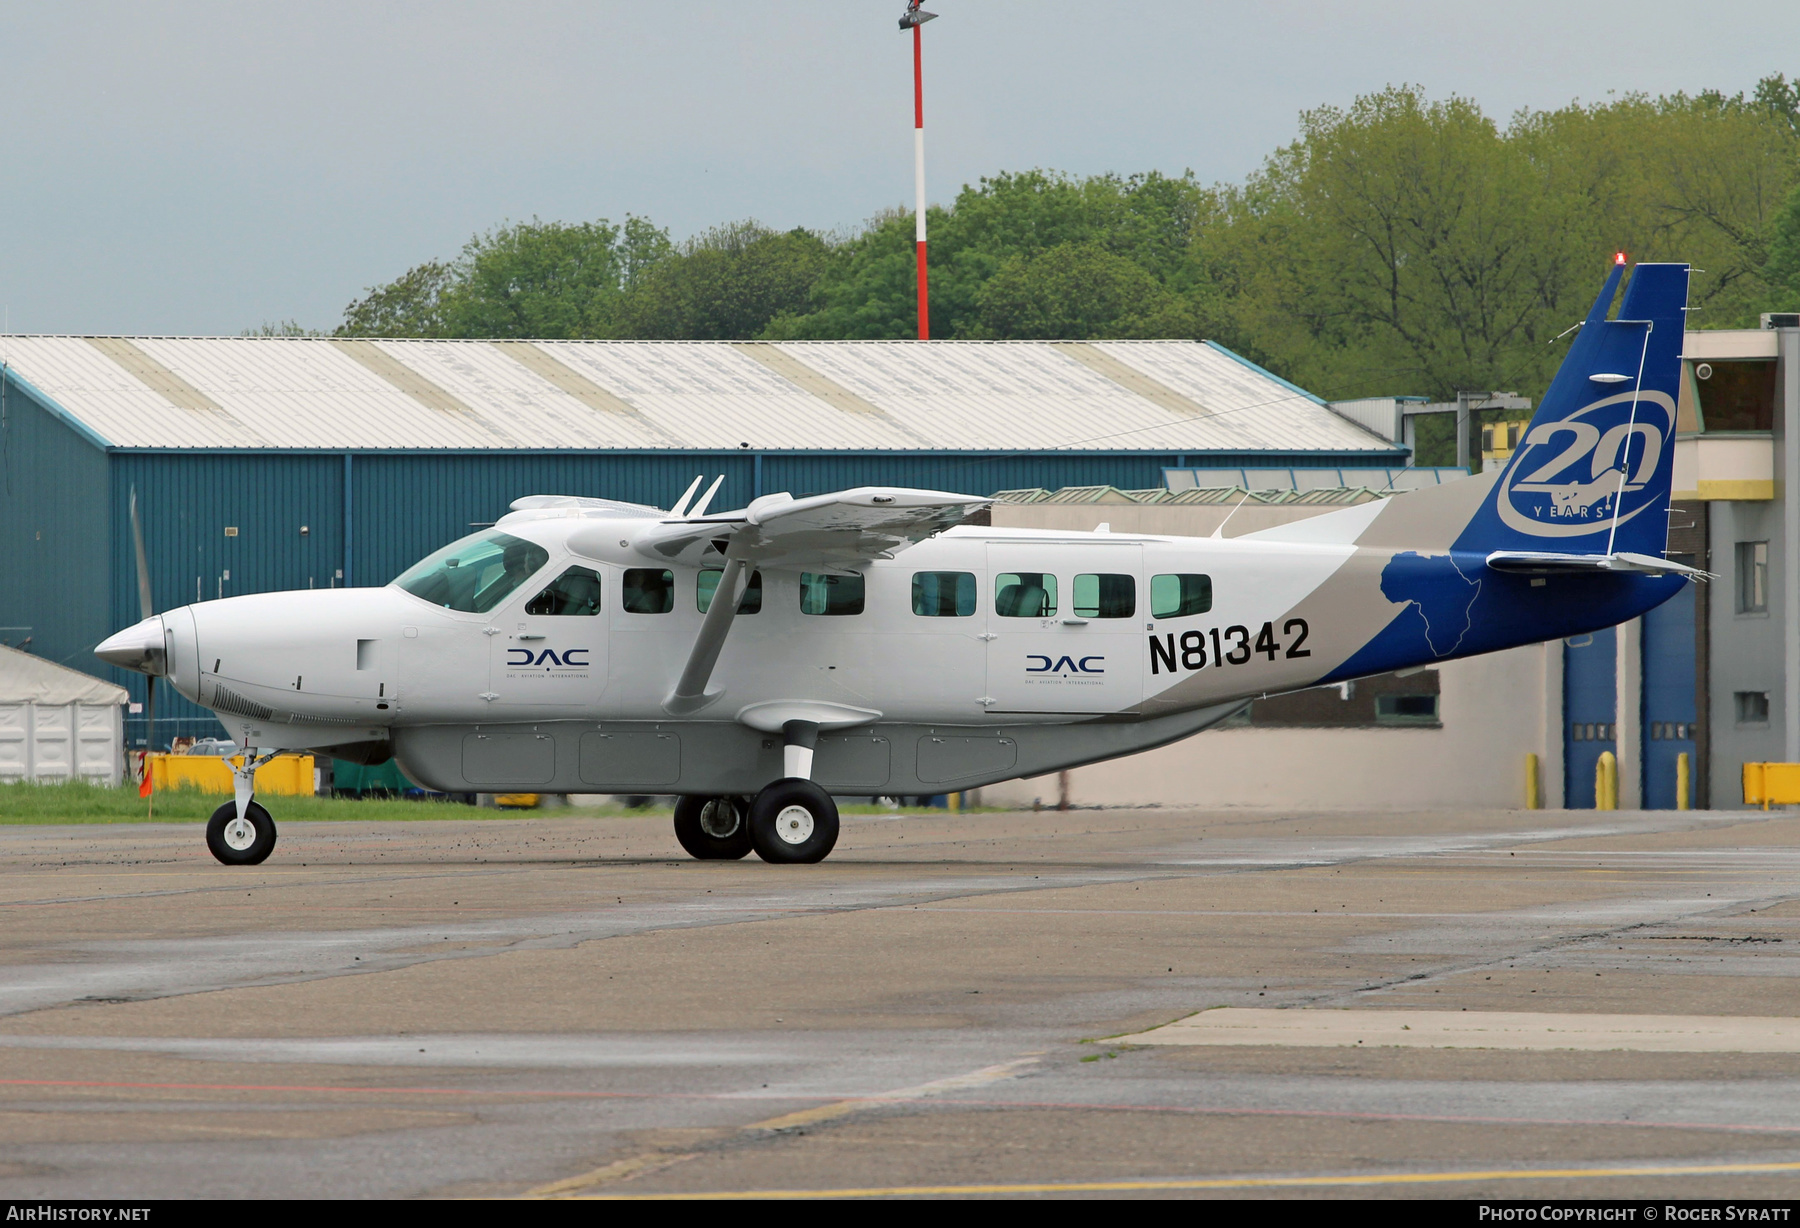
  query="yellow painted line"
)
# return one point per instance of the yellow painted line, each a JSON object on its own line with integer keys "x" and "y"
{"x": 1224, "y": 1183}
{"x": 648, "y": 1163}
{"x": 652, "y": 1161}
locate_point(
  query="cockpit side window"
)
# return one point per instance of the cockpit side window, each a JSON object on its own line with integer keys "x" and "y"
{"x": 475, "y": 574}
{"x": 575, "y": 592}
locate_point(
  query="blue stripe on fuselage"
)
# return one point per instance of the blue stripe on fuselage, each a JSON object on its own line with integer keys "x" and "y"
{"x": 1455, "y": 606}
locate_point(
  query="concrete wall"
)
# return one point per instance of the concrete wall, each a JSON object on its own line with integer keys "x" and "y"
{"x": 1746, "y": 648}
{"x": 1492, "y": 709}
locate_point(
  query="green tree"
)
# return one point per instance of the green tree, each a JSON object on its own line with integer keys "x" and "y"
{"x": 537, "y": 279}
{"x": 281, "y": 328}
{"x": 1402, "y": 245}
{"x": 1782, "y": 272}
{"x": 727, "y": 284}
{"x": 529, "y": 279}
{"x": 1079, "y": 291}
{"x": 408, "y": 306}
{"x": 870, "y": 290}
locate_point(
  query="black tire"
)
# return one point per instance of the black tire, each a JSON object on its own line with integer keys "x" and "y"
{"x": 698, "y": 821}
{"x": 222, "y": 842}
{"x": 788, "y": 838}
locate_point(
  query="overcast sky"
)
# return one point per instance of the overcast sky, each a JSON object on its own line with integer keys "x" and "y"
{"x": 204, "y": 167}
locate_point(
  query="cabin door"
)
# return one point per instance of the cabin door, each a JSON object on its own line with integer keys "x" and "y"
{"x": 549, "y": 643}
{"x": 1065, "y": 627}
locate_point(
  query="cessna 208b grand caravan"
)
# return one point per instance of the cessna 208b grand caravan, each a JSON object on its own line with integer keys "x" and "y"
{"x": 757, "y": 662}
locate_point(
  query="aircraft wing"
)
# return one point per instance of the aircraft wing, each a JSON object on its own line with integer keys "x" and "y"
{"x": 835, "y": 532}
{"x": 1537, "y": 562}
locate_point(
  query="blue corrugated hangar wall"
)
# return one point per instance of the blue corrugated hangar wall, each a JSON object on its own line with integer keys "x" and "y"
{"x": 324, "y": 519}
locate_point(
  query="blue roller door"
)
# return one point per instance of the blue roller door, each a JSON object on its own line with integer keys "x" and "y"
{"x": 1590, "y": 707}
{"x": 1670, "y": 707}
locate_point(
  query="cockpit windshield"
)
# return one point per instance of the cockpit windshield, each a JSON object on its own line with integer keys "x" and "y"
{"x": 475, "y": 574}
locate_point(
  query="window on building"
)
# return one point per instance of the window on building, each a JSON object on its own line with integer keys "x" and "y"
{"x": 1103, "y": 595}
{"x": 821, "y": 594}
{"x": 475, "y": 574}
{"x": 1753, "y": 577}
{"x": 1735, "y": 396}
{"x": 574, "y": 593}
{"x": 1180, "y": 596}
{"x": 709, "y": 584}
{"x": 1025, "y": 594}
{"x": 1752, "y": 707}
{"x": 648, "y": 590}
{"x": 1406, "y": 709}
{"x": 943, "y": 594}
{"x": 1384, "y": 701}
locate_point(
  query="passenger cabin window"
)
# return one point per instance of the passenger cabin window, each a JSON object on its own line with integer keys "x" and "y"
{"x": 475, "y": 574}
{"x": 1180, "y": 596}
{"x": 575, "y": 593}
{"x": 648, "y": 590}
{"x": 943, "y": 594}
{"x": 830, "y": 594}
{"x": 1105, "y": 596}
{"x": 709, "y": 584}
{"x": 1025, "y": 594}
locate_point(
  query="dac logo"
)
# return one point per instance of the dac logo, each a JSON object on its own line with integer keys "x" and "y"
{"x": 1571, "y": 477}
{"x": 1073, "y": 666}
{"x": 525, "y": 656}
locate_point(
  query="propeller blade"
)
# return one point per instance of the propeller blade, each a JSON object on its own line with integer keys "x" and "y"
{"x": 143, "y": 568}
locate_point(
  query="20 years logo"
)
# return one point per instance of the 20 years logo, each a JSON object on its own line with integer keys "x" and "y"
{"x": 1575, "y": 476}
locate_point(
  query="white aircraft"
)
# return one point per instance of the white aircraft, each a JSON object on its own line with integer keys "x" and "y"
{"x": 756, "y": 662}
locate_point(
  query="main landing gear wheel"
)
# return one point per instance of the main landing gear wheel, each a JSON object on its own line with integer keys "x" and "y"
{"x": 240, "y": 842}
{"x": 713, "y": 828}
{"x": 793, "y": 821}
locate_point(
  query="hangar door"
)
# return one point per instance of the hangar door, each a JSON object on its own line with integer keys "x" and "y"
{"x": 1671, "y": 709}
{"x": 1590, "y": 705}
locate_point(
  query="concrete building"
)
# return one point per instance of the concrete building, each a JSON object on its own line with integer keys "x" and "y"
{"x": 264, "y": 464}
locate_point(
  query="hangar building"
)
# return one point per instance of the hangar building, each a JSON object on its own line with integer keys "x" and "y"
{"x": 269, "y": 463}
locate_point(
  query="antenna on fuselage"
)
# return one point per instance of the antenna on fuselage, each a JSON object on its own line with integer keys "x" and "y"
{"x": 1220, "y": 531}
{"x": 706, "y": 499}
{"x": 680, "y": 508}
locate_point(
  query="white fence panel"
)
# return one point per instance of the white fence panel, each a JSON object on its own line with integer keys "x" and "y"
{"x": 15, "y": 742}
{"x": 100, "y": 739}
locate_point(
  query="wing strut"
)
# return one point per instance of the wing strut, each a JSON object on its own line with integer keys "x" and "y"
{"x": 690, "y": 694}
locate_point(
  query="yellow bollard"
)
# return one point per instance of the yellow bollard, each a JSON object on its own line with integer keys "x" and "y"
{"x": 1606, "y": 781}
{"x": 1682, "y": 782}
{"x": 955, "y": 801}
{"x": 1532, "y": 799}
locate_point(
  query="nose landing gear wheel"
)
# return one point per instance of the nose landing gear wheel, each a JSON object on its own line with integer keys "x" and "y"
{"x": 793, "y": 821}
{"x": 240, "y": 842}
{"x": 713, "y": 828}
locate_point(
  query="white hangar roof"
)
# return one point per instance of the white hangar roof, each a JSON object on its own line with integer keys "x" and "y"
{"x": 344, "y": 393}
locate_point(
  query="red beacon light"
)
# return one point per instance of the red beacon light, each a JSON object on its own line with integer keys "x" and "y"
{"x": 1618, "y": 257}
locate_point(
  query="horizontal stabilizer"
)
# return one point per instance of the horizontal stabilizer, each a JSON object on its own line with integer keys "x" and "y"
{"x": 1534, "y": 562}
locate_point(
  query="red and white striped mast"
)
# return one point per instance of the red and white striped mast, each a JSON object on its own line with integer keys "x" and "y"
{"x": 913, "y": 19}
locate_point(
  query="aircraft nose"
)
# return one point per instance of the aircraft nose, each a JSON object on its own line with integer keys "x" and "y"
{"x": 138, "y": 647}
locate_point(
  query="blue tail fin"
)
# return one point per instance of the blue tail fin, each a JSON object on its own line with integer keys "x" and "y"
{"x": 1593, "y": 473}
